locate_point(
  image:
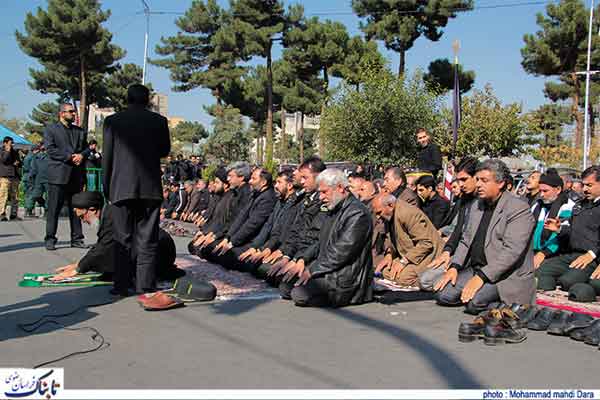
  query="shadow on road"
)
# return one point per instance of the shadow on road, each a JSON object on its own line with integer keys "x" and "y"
{"x": 27, "y": 245}
{"x": 54, "y": 305}
{"x": 7, "y": 235}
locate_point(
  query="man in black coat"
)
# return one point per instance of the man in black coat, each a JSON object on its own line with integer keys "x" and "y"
{"x": 429, "y": 158}
{"x": 100, "y": 257}
{"x": 249, "y": 222}
{"x": 342, "y": 273}
{"x": 134, "y": 142}
{"x": 65, "y": 144}
{"x": 9, "y": 178}
{"x": 434, "y": 206}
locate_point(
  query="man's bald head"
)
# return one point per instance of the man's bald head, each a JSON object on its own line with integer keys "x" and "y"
{"x": 383, "y": 206}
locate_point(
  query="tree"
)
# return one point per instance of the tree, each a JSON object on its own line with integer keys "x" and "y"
{"x": 559, "y": 49}
{"x": 41, "y": 116}
{"x": 202, "y": 54}
{"x": 316, "y": 47}
{"x": 399, "y": 23}
{"x": 441, "y": 76}
{"x": 378, "y": 124}
{"x": 255, "y": 24}
{"x": 116, "y": 84}
{"x": 547, "y": 123}
{"x": 17, "y": 125}
{"x": 361, "y": 56}
{"x": 189, "y": 132}
{"x": 230, "y": 139}
{"x": 72, "y": 45}
{"x": 488, "y": 128}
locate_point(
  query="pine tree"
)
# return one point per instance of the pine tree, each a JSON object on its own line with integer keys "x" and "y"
{"x": 559, "y": 49}
{"x": 361, "y": 56}
{"x": 202, "y": 54}
{"x": 68, "y": 39}
{"x": 115, "y": 85}
{"x": 441, "y": 75}
{"x": 41, "y": 116}
{"x": 399, "y": 23}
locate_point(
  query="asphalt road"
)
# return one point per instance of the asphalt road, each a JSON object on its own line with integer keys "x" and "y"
{"x": 260, "y": 344}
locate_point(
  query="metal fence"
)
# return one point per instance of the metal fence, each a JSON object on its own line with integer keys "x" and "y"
{"x": 93, "y": 181}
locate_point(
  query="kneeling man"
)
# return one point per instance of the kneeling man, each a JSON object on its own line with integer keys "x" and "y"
{"x": 342, "y": 274}
{"x": 100, "y": 257}
{"x": 494, "y": 259}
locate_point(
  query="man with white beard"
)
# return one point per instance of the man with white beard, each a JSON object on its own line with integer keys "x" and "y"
{"x": 89, "y": 208}
{"x": 342, "y": 273}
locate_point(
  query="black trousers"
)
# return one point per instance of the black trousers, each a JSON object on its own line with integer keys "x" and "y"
{"x": 315, "y": 293}
{"x": 59, "y": 195}
{"x": 556, "y": 271}
{"x": 135, "y": 224}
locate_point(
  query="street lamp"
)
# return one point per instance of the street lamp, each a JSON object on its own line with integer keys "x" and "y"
{"x": 147, "y": 14}
{"x": 587, "y": 91}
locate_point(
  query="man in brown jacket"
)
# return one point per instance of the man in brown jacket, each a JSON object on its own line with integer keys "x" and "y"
{"x": 415, "y": 241}
{"x": 394, "y": 182}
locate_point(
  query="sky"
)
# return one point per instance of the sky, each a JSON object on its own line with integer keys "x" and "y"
{"x": 491, "y": 39}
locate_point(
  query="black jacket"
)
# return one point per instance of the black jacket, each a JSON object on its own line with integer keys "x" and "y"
{"x": 249, "y": 222}
{"x": 464, "y": 207}
{"x": 308, "y": 210}
{"x": 583, "y": 232}
{"x": 134, "y": 142}
{"x": 221, "y": 214}
{"x": 345, "y": 259}
{"x": 8, "y": 169}
{"x": 61, "y": 143}
{"x": 198, "y": 201}
{"x": 430, "y": 159}
{"x": 436, "y": 210}
{"x": 93, "y": 159}
{"x": 282, "y": 226}
{"x": 239, "y": 201}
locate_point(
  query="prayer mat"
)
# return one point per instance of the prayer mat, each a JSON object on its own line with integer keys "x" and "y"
{"x": 382, "y": 285}
{"x": 229, "y": 284}
{"x": 43, "y": 280}
{"x": 560, "y": 300}
{"x": 178, "y": 228}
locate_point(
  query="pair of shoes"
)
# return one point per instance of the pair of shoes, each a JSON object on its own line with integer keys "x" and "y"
{"x": 565, "y": 322}
{"x": 543, "y": 319}
{"x": 589, "y": 334}
{"x": 495, "y": 327}
{"x": 50, "y": 246}
{"x": 79, "y": 245}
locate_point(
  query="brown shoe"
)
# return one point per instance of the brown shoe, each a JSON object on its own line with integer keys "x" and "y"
{"x": 159, "y": 302}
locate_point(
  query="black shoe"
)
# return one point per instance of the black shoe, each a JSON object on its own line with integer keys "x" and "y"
{"x": 543, "y": 320}
{"x": 50, "y": 246}
{"x": 581, "y": 333}
{"x": 3, "y": 218}
{"x": 501, "y": 333}
{"x": 559, "y": 323}
{"x": 79, "y": 245}
{"x": 593, "y": 338}
{"x": 526, "y": 313}
{"x": 578, "y": 321}
{"x": 471, "y": 331}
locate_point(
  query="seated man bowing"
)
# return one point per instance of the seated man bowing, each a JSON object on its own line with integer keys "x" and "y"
{"x": 99, "y": 258}
{"x": 494, "y": 259}
{"x": 342, "y": 273}
{"x": 414, "y": 241}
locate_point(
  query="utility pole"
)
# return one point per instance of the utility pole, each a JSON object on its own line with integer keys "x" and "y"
{"x": 587, "y": 91}
{"x": 147, "y": 14}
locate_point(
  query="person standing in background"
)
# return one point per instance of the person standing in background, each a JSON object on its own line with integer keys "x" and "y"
{"x": 65, "y": 143}
{"x": 9, "y": 179}
{"x": 429, "y": 158}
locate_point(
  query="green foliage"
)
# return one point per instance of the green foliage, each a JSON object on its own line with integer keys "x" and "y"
{"x": 189, "y": 132}
{"x": 42, "y": 115}
{"x": 361, "y": 56}
{"x": 201, "y": 54}
{"x": 17, "y": 125}
{"x": 116, "y": 84}
{"x": 72, "y": 46}
{"x": 547, "y": 122}
{"x": 399, "y": 23}
{"x": 208, "y": 172}
{"x": 441, "y": 76}
{"x": 378, "y": 124}
{"x": 488, "y": 128}
{"x": 230, "y": 139}
{"x": 559, "y": 49}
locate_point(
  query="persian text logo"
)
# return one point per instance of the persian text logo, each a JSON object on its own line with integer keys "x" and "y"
{"x": 43, "y": 383}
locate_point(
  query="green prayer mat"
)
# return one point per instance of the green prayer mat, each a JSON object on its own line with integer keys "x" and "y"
{"x": 43, "y": 280}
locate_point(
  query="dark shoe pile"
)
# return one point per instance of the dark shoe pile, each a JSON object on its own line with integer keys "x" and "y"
{"x": 506, "y": 324}
{"x": 175, "y": 229}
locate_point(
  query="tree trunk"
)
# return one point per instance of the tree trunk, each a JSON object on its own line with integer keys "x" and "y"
{"x": 301, "y": 137}
{"x": 259, "y": 150}
{"x": 82, "y": 94}
{"x": 283, "y": 138}
{"x": 269, "y": 136}
{"x": 576, "y": 113}
{"x": 402, "y": 66}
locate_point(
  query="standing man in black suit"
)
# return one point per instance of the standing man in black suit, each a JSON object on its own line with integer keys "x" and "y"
{"x": 134, "y": 142}
{"x": 64, "y": 144}
{"x": 429, "y": 158}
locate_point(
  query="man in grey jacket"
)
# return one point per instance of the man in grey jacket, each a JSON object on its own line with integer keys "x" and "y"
{"x": 494, "y": 259}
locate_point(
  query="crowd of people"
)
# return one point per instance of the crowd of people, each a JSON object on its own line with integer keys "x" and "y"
{"x": 322, "y": 234}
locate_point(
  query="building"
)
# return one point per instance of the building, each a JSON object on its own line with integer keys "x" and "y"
{"x": 96, "y": 117}
{"x": 174, "y": 121}
{"x": 160, "y": 103}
